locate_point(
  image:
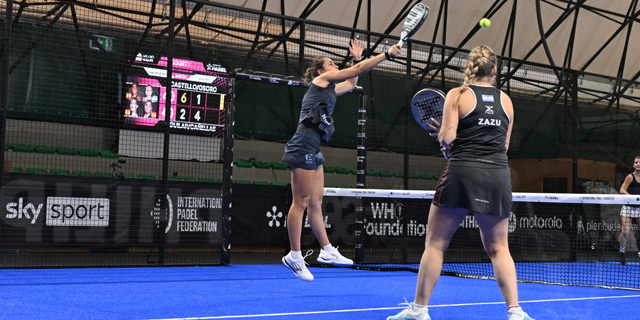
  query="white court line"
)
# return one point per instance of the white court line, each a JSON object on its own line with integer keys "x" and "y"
{"x": 392, "y": 308}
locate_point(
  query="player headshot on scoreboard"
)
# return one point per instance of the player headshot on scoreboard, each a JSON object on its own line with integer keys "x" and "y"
{"x": 133, "y": 107}
{"x": 149, "y": 94}
{"x": 133, "y": 92}
{"x": 148, "y": 110}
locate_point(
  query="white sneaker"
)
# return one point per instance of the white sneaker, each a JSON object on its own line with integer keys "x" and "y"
{"x": 298, "y": 266}
{"x": 412, "y": 313}
{"x": 333, "y": 256}
{"x": 518, "y": 314}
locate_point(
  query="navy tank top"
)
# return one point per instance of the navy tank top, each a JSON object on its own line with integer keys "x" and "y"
{"x": 482, "y": 133}
{"x": 317, "y": 107}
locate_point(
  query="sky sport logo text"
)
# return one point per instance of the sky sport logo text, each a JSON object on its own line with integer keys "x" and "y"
{"x": 77, "y": 212}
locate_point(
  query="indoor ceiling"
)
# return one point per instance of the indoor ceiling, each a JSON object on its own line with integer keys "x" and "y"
{"x": 595, "y": 36}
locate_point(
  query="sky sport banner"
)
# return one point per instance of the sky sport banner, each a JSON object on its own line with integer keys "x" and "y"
{"x": 46, "y": 211}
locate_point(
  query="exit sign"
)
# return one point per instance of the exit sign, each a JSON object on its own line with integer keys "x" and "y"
{"x": 97, "y": 42}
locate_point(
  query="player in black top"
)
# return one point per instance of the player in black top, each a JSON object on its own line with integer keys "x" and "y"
{"x": 475, "y": 131}
{"x": 629, "y": 186}
{"x": 326, "y": 82}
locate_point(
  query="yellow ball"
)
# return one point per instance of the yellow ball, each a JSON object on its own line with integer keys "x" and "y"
{"x": 485, "y": 23}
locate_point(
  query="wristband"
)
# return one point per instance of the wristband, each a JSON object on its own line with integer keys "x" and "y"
{"x": 388, "y": 56}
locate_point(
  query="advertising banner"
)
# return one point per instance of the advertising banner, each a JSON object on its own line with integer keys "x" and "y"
{"x": 46, "y": 211}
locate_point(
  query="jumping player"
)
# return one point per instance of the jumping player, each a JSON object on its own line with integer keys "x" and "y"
{"x": 326, "y": 82}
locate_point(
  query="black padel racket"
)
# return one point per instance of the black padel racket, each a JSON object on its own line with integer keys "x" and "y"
{"x": 413, "y": 21}
{"x": 427, "y": 106}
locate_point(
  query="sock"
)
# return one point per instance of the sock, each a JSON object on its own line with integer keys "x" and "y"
{"x": 296, "y": 254}
{"x": 419, "y": 307}
{"x": 328, "y": 247}
{"x": 621, "y": 250}
{"x": 514, "y": 309}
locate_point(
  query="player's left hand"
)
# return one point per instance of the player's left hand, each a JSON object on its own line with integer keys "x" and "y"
{"x": 355, "y": 48}
{"x": 445, "y": 151}
{"x": 434, "y": 126}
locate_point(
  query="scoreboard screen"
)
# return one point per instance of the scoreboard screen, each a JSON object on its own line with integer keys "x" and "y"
{"x": 197, "y": 100}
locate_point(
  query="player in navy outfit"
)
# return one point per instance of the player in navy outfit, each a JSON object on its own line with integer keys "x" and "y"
{"x": 326, "y": 82}
{"x": 629, "y": 186}
{"x": 474, "y": 135}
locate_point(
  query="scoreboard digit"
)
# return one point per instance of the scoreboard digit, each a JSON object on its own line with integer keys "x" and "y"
{"x": 184, "y": 97}
{"x": 183, "y": 113}
{"x": 197, "y": 115}
{"x": 198, "y": 99}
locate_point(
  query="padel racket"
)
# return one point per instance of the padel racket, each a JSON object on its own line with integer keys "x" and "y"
{"x": 414, "y": 20}
{"x": 427, "y": 106}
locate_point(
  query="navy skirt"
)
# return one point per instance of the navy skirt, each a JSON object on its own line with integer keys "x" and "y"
{"x": 303, "y": 150}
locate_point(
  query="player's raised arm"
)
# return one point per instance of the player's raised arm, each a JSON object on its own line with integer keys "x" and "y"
{"x": 332, "y": 74}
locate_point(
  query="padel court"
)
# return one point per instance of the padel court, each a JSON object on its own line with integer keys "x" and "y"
{"x": 272, "y": 292}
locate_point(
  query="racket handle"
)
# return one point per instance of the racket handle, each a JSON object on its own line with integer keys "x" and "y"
{"x": 401, "y": 43}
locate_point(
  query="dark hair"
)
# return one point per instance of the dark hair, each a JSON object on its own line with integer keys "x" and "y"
{"x": 481, "y": 62}
{"x": 312, "y": 71}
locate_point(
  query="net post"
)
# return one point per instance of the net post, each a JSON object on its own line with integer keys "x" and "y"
{"x": 227, "y": 172}
{"x": 407, "y": 86}
{"x": 572, "y": 83}
{"x": 362, "y": 142}
{"x": 167, "y": 135}
{"x": 361, "y": 175}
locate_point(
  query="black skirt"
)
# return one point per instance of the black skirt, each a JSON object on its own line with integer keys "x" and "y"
{"x": 483, "y": 189}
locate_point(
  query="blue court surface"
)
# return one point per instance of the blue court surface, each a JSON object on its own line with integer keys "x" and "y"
{"x": 273, "y": 292}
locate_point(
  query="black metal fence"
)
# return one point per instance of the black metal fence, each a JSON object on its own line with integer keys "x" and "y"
{"x": 88, "y": 120}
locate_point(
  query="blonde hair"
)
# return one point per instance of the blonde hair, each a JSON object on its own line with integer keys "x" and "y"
{"x": 481, "y": 62}
{"x": 312, "y": 71}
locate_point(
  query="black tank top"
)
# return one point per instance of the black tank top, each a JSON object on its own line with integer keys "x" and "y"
{"x": 634, "y": 186}
{"x": 482, "y": 133}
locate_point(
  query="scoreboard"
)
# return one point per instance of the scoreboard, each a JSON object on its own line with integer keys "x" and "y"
{"x": 197, "y": 107}
{"x": 197, "y": 99}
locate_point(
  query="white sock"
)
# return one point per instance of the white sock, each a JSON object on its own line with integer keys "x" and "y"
{"x": 418, "y": 307}
{"x": 296, "y": 254}
{"x": 517, "y": 310}
{"x": 328, "y": 247}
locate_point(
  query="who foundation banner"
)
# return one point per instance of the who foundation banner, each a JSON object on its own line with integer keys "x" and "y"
{"x": 537, "y": 231}
{"x": 47, "y": 211}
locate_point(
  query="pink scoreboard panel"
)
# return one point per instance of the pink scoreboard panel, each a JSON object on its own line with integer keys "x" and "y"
{"x": 197, "y": 100}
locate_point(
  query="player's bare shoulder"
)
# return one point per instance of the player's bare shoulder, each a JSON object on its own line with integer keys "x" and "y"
{"x": 507, "y": 104}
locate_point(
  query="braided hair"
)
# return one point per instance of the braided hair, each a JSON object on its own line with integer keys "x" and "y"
{"x": 482, "y": 60}
{"x": 312, "y": 71}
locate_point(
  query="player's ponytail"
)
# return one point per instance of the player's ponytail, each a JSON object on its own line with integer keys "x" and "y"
{"x": 481, "y": 62}
{"x": 312, "y": 71}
